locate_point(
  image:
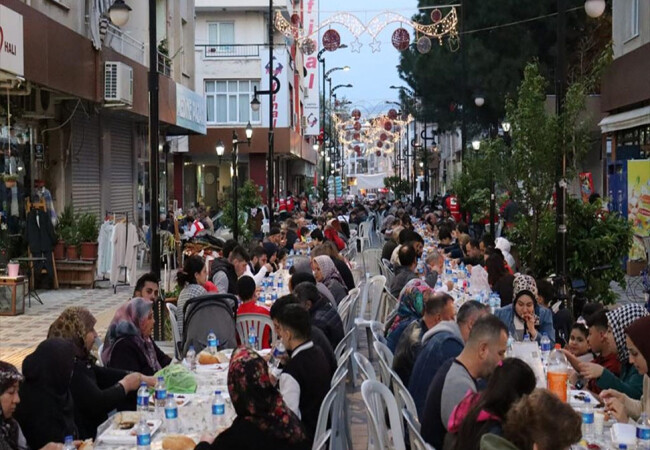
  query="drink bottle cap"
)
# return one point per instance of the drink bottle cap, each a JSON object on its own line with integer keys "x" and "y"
{"x": 217, "y": 392}
{"x": 558, "y": 346}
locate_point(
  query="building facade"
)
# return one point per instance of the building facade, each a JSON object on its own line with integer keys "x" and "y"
{"x": 76, "y": 117}
{"x": 232, "y": 60}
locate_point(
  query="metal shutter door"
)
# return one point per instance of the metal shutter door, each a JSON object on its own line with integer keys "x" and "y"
{"x": 122, "y": 183}
{"x": 86, "y": 184}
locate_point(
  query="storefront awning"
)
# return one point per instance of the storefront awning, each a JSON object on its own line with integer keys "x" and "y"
{"x": 625, "y": 120}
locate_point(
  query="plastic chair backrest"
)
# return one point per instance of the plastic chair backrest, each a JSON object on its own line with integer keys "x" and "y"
{"x": 413, "y": 429}
{"x": 348, "y": 341}
{"x": 375, "y": 290}
{"x": 389, "y": 305}
{"x": 327, "y": 409}
{"x": 100, "y": 363}
{"x": 171, "y": 309}
{"x": 385, "y": 361}
{"x": 365, "y": 367}
{"x": 404, "y": 399}
{"x": 258, "y": 322}
{"x": 378, "y": 399}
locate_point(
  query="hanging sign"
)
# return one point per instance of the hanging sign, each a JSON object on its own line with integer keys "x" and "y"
{"x": 11, "y": 42}
{"x": 312, "y": 85}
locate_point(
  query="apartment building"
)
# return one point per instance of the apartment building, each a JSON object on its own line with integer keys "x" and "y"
{"x": 232, "y": 60}
{"x": 77, "y": 90}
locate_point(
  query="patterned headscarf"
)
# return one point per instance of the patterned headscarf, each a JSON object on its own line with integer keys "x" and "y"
{"x": 257, "y": 401}
{"x": 411, "y": 303}
{"x": 9, "y": 429}
{"x": 127, "y": 322}
{"x": 73, "y": 324}
{"x": 524, "y": 284}
{"x": 639, "y": 333}
{"x": 618, "y": 320}
{"x": 328, "y": 269}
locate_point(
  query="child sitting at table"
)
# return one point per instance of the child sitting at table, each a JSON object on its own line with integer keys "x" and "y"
{"x": 248, "y": 294}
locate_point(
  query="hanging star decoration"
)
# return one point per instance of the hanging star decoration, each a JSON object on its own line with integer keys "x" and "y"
{"x": 442, "y": 26}
{"x": 355, "y": 46}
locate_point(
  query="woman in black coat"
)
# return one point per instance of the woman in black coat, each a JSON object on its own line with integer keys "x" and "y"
{"x": 128, "y": 344}
{"x": 96, "y": 391}
{"x": 46, "y": 409}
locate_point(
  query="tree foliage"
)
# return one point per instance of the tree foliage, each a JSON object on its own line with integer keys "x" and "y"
{"x": 399, "y": 186}
{"x": 496, "y": 56}
{"x": 248, "y": 197}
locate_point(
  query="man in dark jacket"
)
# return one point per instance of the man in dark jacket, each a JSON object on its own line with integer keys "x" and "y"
{"x": 222, "y": 272}
{"x": 436, "y": 309}
{"x": 405, "y": 272}
{"x": 323, "y": 315}
{"x": 442, "y": 342}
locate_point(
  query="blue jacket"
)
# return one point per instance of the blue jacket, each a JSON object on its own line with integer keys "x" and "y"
{"x": 507, "y": 316}
{"x": 439, "y": 344}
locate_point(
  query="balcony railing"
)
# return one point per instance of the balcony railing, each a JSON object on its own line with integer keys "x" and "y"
{"x": 124, "y": 44}
{"x": 230, "y": 51}
{"x": 164, "y": 64}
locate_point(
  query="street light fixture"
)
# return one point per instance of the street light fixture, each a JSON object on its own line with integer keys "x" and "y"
{"x": 119, "y": 13}
{"x": 220, "y": 149}
{"x": 255, "y": 104}
{"x": 479, "y": 100}
{"x": 595, "y": 8}
{"x": 249, "y": 133}
{"x": 476, "y": 145}
{"x": 506, "y": 126}
{"x": 341, "y": 86}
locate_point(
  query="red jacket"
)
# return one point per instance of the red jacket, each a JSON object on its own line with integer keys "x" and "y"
{"x": 332, "y": 235}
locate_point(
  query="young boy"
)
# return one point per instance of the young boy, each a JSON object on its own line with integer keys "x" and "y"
{"x": 249, "y": 305}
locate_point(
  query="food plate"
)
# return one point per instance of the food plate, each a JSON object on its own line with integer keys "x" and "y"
{"x": 208, "y": 368}
{"x": 577, "y": 398}
{"x": 116, "y": 436}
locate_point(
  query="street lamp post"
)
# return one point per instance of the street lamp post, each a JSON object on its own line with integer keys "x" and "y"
{"x": 425, "y": 138}
{"x": 234, "y": 175}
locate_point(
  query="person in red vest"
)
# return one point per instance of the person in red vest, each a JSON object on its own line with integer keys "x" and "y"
{"x": 454, "y": 207}
{"x": 196, "y": 225}
{"x": 282, "y": 206}
{"x": 290, "y": 202}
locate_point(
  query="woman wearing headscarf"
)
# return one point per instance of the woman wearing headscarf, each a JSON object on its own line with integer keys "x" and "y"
{"x": 96, "y": 391}
{"x": 326, "y": 273}
{"x": 524, "y": 316}
{"x": 329, "y": 248}
{"x": 621, "y": 406}
{"x": 46, "y": 409}
{"x": 410, "y": 307}
{"x": 263, "y": 419}
{"x": 128, "y": 344}
{"x": 304, "y": 273}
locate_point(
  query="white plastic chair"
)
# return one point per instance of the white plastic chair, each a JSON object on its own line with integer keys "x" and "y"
{"x": 371, "y": 259}
{"x": 385, "y": 361}
{"x": 414, "y": 436}
{"x": 171, "y": 310}
{"x": 331, "y": 407}
{"x": 258, "y": 322}
{"x": 343, "y": 353}
{"x": 389, "y": 304}
{"x": 347, "y": 308}
{"x": 377, "y": 399}
{"x": 373, "y": 291}
{"x": 365, "y": 367}
{"x": 100, "y": 362}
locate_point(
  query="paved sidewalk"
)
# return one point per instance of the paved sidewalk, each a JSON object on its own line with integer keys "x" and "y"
{"x": 19, "y": 335}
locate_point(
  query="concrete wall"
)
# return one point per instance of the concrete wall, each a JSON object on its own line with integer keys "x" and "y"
{"x": 623, "y": 42}
{"x": 70, "y": 13}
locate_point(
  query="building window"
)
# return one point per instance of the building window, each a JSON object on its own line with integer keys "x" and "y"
{"x": 229, "y": 101}
{"x": 632, "y": 22}
{"x": 221, "y": 33}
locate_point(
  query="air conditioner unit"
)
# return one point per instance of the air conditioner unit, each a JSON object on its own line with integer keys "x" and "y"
{"x": 118, "y": 83}
{"x": 39, "y": 104}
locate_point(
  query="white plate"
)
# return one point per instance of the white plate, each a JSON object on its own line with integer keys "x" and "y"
{"x": 577, "y": 402}
{"x": 208, "y": 368}
{"x": 125, "y": 437}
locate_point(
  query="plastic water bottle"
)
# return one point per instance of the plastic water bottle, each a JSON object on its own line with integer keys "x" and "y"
{"x": 218, "y": 410}
{"x": 643, "y": 432}
{"x": 510, "y": 346}
{"x": 279, "y": 351}
{"x": 160, "y": 393}
{"x": 494, "y": 302}
{"x": 545, "y": 347}
{"x": 143, "y": 398}
{"x": 252, "y": 338}
{"x": 280, "y": 283}
{"x": 171, "y": 414}
{"x": 557, "y": 373}
{"x": 213, "y": 343}
{"x": 143, "y": 434}
{"x": 190, "y": 358}
{"x": 68, "y": 443}
{"x": 526, "y": 337}
{"x": 587, "y": 413}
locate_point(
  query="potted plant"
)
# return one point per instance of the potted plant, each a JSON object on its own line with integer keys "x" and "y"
{"x": 71, "y": 237}
{"x": 66, "y": 221}
{"x": 88, "y": 233}
{"x": 10, "y": 180}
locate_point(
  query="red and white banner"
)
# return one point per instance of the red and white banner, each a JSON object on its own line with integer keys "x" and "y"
{"x": 312, "y": 80}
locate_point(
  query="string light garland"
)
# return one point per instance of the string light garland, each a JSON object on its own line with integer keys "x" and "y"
{"x": 443, "y": 26}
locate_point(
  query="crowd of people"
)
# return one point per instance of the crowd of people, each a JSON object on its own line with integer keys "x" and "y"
{"x": 468, "y": 394}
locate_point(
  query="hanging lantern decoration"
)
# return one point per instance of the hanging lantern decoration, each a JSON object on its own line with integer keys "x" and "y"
{"x": 380, "y": 144}
{"x": 296, "y": 24}
{"x": 436, "y": 15}
{"x": 331, "y": 40}
{"x": 388, "y": 125}
{"x": 424, "y": 45}
{"x": 357, "y": 126}
{"x": 378, "y": 153}
{"x": 356, "y": 136}
{"x": 392, "y": 114}
{"x": 356, "y": 114}
{"x": 383, "y": 137}
{"x": 401, "y": 39}
{"x": 308, "y": 46}
{"x": 357, "y": 149}
{"x": 397, "y": 129}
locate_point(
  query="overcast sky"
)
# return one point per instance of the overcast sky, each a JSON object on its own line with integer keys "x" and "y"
{"x": 371, "y": 73}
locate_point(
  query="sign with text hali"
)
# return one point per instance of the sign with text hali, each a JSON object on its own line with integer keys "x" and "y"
{"x": 12, "y": 57}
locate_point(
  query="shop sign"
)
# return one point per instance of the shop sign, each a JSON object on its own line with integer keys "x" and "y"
{"x": 190, "y": 109}
{"x": 39, "y": 152}
{"x": 11, "y": 41}
{"x": 281, "y": 70}
{"x": 312, "y": 85}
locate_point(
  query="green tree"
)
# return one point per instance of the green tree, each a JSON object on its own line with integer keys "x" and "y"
{"x": 248, "y": 197}
{"x": 399, "y": 186}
